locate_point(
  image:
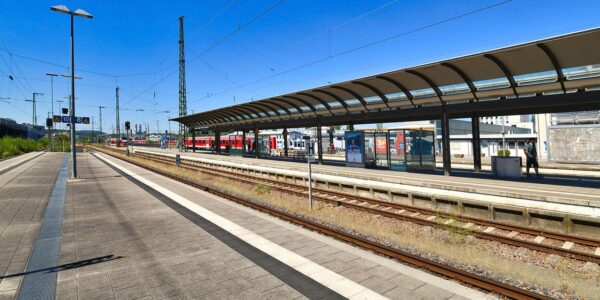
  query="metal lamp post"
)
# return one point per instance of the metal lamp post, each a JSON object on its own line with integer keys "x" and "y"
{"x": 79, "y": 13}
{"x": 52, "y": 75}
{"x": 100, "y": 108}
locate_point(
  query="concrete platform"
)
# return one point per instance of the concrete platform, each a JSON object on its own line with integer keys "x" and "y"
{"x": 128, "y": 233}
{"x": 569, "y": 190}
{"x": 24, "y": 194}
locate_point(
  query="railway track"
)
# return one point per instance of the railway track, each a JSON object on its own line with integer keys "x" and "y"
{"x": 444, "y": 270}
{"x": 567, "y": 245}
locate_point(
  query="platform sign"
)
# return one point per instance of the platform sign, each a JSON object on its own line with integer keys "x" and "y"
{"x": 355, "y": 148}
{"x": 311, "y": 158}
{"x": 78, "y": 120}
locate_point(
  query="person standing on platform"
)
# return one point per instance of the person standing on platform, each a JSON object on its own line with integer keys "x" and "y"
{"x": 531, "y": 153}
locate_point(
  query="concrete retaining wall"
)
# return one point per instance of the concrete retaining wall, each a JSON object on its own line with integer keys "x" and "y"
{"x": 576, "y": 143}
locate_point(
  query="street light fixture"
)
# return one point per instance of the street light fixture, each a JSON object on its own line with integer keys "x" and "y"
{"x": 79, "y": 13}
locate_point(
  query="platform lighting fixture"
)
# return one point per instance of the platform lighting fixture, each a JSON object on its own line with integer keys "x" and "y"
{"x": 79, "y": 13}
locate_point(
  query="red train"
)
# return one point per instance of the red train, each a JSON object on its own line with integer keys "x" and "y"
{"x": 231, "y": 142}
{"x": 227, "y": 142}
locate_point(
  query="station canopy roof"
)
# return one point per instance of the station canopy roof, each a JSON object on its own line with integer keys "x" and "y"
{"x": 566, "y": 64}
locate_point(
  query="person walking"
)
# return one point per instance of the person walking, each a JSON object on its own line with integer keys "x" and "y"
{"x": 531, "y": 153}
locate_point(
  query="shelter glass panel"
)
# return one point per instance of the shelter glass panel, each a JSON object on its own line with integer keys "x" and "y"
{"x": 370, "y": 149}
{"x": 381, "y": 149}
{"x": 396, "y": 149}
{"x": 427, "y": 149}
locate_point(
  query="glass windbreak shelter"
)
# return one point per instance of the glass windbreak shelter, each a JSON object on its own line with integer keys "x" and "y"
{"x": 376, "y": 149}
{"x": 411, "y": 149}
{"x": 397, "y": 149}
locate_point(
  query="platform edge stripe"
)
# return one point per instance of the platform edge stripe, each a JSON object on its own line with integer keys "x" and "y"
{"x": 45, "y": 252}
{"x": 348, "y": 289}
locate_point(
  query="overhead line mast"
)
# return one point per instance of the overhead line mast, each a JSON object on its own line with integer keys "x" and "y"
{"x": 182, "y": 92}
{"x": 117, "y": 113}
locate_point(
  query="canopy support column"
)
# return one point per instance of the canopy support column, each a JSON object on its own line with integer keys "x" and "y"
{"x": 320, "y": 143}
{"x": 331, "y": 146}
{"x": 285, "y": 142}
{"x": 193, "y": 140}
{"x": 243, "y": 142}
{"x": 217, "y": 142}
{"x": 476, "y": 141}
{"x": 256, "y": 146}
{"x": 446, "y": 143}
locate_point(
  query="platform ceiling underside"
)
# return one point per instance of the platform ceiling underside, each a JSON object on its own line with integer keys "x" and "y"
{"x": 550, "y": 75}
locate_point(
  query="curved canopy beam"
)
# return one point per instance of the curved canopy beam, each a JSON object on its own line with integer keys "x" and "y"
{"x": 269, "y": 101}
{"x": 213, "y": 118}
{"x": 225, "y": 115}
{"x": 236, "y": 109}
{"x": 236, "y": 116}
{"x": 271, "y": 107}
{"x": 221, "y": 117}
{"x": 430, "y": 82}
{"x": 261, "y": 107}
{"x": 509, "y": 76}
{"x": 334, "y": 96}
{"x": 312, "y": 107}
{"x": 464, "y": 77}
{"x": 290, "y": 103}
{"x": 557, "y": 68}
{"x": 252, "y": 110}
{"x": 352, "y": 93}
{"x": 323, "y": 102}
{"x": 374, "y": 90}
{"x": 401, "y": 87}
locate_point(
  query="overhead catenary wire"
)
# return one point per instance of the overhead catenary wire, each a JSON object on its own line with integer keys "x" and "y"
{"x": 367, "y": 45}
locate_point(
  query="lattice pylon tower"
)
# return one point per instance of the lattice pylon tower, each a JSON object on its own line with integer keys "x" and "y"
{"x": 182, "y": 92}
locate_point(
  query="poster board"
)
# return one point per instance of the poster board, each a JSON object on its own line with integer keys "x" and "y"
{"x": 355, "y": 148}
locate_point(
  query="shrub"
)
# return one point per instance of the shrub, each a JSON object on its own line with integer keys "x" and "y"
{"x": 503, "y": 152}
{"x": 10, "y": 146}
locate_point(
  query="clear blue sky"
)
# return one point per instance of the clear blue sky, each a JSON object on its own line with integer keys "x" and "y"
{"x": 140, "y": 37}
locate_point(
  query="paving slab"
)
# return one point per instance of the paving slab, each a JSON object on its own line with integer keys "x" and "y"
{"x": 24, "y": 194}
{"x": 366, "y": 265}
{"x": 153, "y": 250}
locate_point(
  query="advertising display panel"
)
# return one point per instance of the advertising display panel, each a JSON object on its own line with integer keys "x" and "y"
{"x": 355, "y": 148}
